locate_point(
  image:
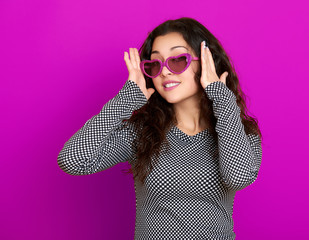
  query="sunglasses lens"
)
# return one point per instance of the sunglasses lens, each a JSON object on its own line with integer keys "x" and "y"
{"x": 178, "y": 64}
{"x": 153, "y": 68}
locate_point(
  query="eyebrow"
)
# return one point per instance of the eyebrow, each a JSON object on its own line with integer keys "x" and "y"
{"x": 170, "y": 49}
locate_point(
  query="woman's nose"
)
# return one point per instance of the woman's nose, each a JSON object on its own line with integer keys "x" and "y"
{"x": 165, "y": 71}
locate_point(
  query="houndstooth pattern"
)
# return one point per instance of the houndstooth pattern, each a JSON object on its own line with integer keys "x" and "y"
{"x": 190, "y": 193}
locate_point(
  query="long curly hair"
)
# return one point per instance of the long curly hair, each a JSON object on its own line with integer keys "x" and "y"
{"x": 153, "y": 121}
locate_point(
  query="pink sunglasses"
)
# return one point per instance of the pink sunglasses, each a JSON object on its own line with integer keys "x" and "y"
{"x": 176, "y": 64}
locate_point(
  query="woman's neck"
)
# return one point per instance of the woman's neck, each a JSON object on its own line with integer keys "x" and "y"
{"x": 189, "y": 117}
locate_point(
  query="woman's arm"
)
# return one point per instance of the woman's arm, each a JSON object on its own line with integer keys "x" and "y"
{"x": 103, "y": 142}
{"x": 239, "y": 154}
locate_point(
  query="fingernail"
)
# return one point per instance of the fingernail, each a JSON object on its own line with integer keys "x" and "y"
{"x": 204, "y": 44}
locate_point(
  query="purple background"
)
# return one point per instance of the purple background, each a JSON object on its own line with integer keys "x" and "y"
{"x": 62, "y": 60}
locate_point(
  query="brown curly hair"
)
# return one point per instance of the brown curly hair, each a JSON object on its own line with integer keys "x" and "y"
{"x": 153, "y": 121}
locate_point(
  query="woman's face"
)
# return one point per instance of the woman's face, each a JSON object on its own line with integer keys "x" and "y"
{"x": 173, "y": 44}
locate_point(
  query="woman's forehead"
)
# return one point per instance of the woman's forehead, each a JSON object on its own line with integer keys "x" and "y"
{"x": 171, "y": 49}
{"x": 169, "y": 42}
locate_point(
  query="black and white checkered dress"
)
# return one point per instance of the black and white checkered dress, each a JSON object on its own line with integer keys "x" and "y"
{"x": 190, "y": 193}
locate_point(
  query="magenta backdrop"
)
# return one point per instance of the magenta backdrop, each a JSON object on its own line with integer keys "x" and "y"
{"x": 62, "y": 60}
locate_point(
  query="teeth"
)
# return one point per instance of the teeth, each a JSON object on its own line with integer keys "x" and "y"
{"x": 171, "y": 85}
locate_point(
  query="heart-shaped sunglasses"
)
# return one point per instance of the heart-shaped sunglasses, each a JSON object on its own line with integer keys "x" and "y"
{"x": 176, "y": 64}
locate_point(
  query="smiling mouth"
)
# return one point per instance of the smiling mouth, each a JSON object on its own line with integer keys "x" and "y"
{"x": 171, "y": 85}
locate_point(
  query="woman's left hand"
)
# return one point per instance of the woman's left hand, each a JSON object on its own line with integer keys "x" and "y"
{"x": 208, "y": 73}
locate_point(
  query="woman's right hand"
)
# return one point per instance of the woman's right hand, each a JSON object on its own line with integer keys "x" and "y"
{"x": 135, "y": 73}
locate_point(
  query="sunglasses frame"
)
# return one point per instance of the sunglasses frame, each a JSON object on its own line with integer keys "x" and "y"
{"x": 165, "y": 63}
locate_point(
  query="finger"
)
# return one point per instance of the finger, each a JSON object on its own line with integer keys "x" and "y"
{"x": 203, "y": 60}
{"x": 137, "y": 57}
{"x": 204, "y": 56}
{"x": 151, "y": 91}
{"x": 223, "y": 77}
{"x": 208, "y": 66}
{"x": 211, "y": 61}
{"x": 127, "y": 60}
{"x": 132, "y": 58}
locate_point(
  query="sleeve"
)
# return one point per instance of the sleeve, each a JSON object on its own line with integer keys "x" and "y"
{"x": 239, "y": 154}
{"x": 104, "y": 141}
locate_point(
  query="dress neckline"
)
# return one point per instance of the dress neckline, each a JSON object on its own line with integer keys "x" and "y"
{"x": 188, "y": 138}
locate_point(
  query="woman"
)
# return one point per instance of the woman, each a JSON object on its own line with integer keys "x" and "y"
{"x": 180, "y": 120}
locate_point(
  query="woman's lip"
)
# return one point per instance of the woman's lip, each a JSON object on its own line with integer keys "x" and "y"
{"x": 169, "y": 81}
{"x": 170, "y": 88}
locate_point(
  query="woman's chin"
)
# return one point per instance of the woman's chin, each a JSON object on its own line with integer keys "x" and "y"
{"x": 171, "y": 100}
